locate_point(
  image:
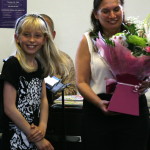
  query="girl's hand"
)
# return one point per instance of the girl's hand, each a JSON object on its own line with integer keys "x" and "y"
{"x": 37, "y": 134}
{"x": 44, "y": 145}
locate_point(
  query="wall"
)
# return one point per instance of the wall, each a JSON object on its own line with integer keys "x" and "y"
{"x": 71, "y": 18}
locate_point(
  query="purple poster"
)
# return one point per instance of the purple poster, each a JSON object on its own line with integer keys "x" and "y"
{"x": 10, "y": 10}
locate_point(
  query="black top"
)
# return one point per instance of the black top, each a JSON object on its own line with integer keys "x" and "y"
{"x": 29, "y": 89}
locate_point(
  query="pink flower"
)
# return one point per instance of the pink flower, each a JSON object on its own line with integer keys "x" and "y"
{"x": 147, "y": 49}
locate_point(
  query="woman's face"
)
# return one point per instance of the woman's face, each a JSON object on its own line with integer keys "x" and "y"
{"x": 110, "y": 15}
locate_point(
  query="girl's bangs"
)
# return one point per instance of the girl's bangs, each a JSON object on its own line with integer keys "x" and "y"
{"x": 34, "y": 24}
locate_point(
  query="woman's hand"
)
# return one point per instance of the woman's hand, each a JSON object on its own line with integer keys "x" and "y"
{"x": 37, "y": 134}
{"x": 44, "y": 144}
{"x": 104, "y": 107}
{"x": 142, "y": 87}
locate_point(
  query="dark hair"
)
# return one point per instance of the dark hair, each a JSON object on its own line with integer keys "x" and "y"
{"x": 95, "y": 23}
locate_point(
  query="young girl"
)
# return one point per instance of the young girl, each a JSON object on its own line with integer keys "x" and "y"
{"x": 24, "y": 92}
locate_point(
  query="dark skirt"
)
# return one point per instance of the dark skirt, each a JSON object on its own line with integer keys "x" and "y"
{"x": 118, "y": 132}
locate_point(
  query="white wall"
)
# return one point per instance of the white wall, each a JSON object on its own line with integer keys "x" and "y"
{"x": 137, "y": 8}
{"x": 71, "y": 18}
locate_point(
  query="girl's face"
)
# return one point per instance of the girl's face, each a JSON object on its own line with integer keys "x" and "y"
{"x": 30, "y": 41}
{"x": 110, "y": 15}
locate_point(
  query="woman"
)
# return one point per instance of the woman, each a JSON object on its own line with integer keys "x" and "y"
{"x": 103, "y": 129}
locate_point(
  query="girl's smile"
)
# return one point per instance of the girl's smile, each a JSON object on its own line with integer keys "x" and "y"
{"x": 31, "y": 41}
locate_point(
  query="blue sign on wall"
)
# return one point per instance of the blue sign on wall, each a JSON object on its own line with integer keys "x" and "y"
{"x": 10, "y": 10}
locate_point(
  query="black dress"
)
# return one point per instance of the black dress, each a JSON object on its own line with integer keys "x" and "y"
{"x": 114, "y": 132}
{"x": 29, "y": 88}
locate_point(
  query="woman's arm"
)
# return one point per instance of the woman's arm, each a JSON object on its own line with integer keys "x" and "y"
{"x": 83, "y": 76}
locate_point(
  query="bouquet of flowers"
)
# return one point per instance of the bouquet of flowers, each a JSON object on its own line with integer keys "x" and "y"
{"x": 128, "y": 56}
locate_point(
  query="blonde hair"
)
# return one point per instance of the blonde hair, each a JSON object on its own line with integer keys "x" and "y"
{"x": 64, "y": 61}
{"x": 48, "y": 55}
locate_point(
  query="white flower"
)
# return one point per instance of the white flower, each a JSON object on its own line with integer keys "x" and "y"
{"x": 141, "y": 33}
{"x": 147, "y": 32}
{"x": 136, "y": 21}
{"x": 147, "y": 28}
{"x": 121, "y": 38}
